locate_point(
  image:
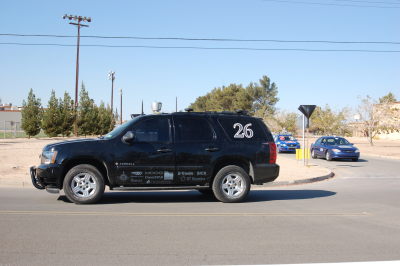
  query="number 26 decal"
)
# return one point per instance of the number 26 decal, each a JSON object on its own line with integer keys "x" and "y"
{"x": 243, "y": 132}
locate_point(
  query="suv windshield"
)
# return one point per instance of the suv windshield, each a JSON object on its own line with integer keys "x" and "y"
{"x": 116, "y": 131}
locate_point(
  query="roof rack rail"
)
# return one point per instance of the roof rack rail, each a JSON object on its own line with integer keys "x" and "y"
{"x": 226, "y": 112}
{"x": 135, "y": 115}
{"x": 189, "y": 109}
{"x": 241, "y": 112}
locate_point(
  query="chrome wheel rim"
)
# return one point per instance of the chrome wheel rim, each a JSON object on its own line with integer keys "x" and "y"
{"x": 328, "y": 156}
{"x": 233, "y": 185}
{"x": 83, "y": 185}
{"x": 313, "y": 153}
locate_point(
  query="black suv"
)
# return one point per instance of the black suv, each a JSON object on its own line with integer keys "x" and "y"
{"x": 221, "y": 153}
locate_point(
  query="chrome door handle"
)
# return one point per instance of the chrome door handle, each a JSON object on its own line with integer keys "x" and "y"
{"x": 164, "y": 150}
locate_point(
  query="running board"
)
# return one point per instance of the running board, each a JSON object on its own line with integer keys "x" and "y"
{"x": 52, "y": 190}
{"x": 160, "y": 188}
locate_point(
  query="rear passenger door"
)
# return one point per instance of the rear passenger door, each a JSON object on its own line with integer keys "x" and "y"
{"x": 195, "y": 147}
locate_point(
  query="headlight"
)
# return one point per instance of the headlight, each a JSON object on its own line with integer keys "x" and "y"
{"x": 335, "y": 150}
{"x": 48, "y": 157}
{"x": 283, "y": 144}
{"x": 357, "y": 150}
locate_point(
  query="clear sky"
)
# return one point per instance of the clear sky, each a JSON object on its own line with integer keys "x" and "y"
{"x": 336, "y": 78}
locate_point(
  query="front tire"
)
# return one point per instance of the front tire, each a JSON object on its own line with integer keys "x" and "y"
{"x": 83, "y": 184}
{"x": 328, "y": 156}
{"x": 313, "y": 155}
{"x": 231, "y": 184}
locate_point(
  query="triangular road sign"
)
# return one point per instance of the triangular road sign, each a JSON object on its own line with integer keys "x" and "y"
{"x": 307, "y": 110}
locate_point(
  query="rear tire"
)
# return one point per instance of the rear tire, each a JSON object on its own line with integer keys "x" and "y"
{"x": 83, "y": 184}
{"x": 231, "y": 184}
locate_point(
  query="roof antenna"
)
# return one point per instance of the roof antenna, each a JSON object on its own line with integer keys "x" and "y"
{"x": 142, "y": 108}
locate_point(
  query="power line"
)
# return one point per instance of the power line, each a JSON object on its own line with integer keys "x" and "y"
{"x": 369, "y": 2}
{"x": 205, "y": 48}
{"x": 198, "y": 39}
{"x": 329, "y": 4}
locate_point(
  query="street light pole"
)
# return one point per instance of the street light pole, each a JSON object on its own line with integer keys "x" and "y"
{"x": 120, "y": 90}
{"x": 79, "y": 19}
{"x": 111, "y": 76}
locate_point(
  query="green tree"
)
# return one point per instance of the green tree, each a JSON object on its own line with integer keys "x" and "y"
{"x": 230, "y": 98}
{"x": 257, "y": 98}
{"x": 94, "y": 120}
{"x": 202, "y": 103}
{"x": 263, "y": 96}
{"x": 388, "y": 98}
{"x": 67, "y": 114}
{"x": 86, "y": 113}
{"x": 105, "y": 120}
{"x": 31, "y": 115}
{"x": 287, "y": 122}
{"x": 51, "y": 121}
{"x": 324, "y": 121}
{"x": 116, "y": 116}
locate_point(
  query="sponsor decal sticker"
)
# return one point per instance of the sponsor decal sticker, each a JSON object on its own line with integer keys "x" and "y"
{"x": 168, "y": 175}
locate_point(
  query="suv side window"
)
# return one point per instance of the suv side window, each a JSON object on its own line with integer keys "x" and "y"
{"x": 152, "y": 130}
{"x": 192, "y": 129}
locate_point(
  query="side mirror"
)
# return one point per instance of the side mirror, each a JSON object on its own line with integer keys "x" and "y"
{"x": 128, "y": 138}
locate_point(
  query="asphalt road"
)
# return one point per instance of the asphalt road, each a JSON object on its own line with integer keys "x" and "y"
{"x": 352, "y": 217}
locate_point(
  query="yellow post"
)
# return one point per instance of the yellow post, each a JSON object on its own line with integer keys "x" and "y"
{"x": 299, "y": 154}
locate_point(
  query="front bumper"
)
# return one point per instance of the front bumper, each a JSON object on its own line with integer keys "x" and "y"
{"x": 45, "y": 175}
{"x": 36, "y": 181}
{"x": 288, "y": 148}
{"x": 345, "y": 155}
{"x": 264, "y": 173}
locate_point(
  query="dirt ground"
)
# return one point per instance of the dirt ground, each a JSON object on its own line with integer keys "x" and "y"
{"x": 383, "y": 148}
{"x": 17, "y": 155}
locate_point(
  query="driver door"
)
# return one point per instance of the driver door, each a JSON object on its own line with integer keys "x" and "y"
{"x": 149, "y": 159}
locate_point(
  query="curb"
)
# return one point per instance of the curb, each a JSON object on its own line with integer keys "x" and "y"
{"x": 299, "y": 181}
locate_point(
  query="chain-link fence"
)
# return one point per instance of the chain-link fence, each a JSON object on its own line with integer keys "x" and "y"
{"x": 11, "y": 129}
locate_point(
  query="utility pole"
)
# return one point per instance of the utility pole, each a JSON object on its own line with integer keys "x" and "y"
{"x": 111, "y": 76}
{"x": 120, "y": 91}
{"x": 79, "y": 19}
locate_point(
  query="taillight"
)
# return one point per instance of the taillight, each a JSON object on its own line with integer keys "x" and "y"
{"x": 272, "y": 152}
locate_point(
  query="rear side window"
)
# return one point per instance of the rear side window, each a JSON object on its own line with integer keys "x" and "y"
{"x": 242, "y": 128}
{"x": 192, "y": 129}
